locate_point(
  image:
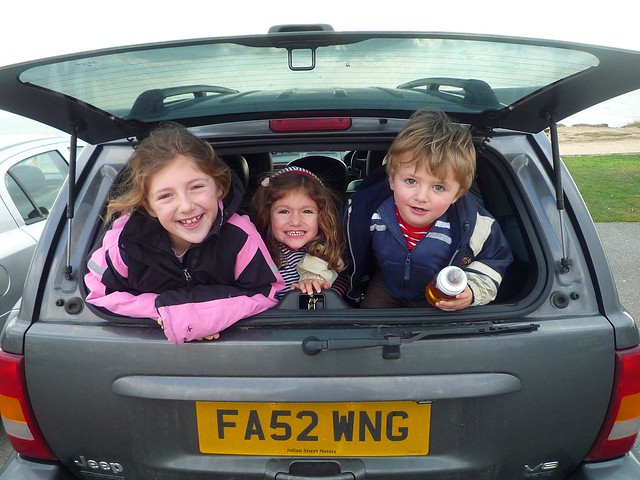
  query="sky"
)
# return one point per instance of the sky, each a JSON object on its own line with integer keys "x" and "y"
{"x": 41, "y": 28}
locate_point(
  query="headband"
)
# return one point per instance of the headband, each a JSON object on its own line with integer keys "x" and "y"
{"x": 293, "y": 169}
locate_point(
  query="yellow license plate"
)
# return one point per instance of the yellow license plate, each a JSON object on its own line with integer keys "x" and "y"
{"x": 344, "y": 429}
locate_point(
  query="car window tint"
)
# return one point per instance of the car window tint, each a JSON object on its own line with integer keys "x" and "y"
{"x": 33, "y": 184}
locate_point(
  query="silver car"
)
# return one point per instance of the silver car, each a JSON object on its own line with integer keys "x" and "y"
{"x": 32, "y": 172}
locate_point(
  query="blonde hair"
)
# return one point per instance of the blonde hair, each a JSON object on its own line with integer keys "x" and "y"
{"x": 437, "y": 144}
{"x": 155, "y": 152}
{"x": 329, "y": 243}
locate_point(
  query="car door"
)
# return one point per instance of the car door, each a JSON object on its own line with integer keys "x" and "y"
{"x": 31, "y": 182}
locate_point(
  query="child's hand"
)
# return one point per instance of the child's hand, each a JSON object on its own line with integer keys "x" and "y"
{"x": 462, "y": 300}
{"x": 311, "y": 286}
{"x": 214, "y": 336}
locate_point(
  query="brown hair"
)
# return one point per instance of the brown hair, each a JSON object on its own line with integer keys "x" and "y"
{"x": 329, "y": 242}
{"x": 155, "y": 152}
{"x": 436, "y": 143}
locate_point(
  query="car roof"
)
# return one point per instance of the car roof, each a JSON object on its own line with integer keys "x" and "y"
{"x": 485, "y": 81}
{"x": 13, "y": 144}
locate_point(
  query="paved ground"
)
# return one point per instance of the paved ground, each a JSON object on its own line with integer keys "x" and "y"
{"x": 4, "y": 446}
{"x": 621, "y": 242}
{"x": 594, "y": 140}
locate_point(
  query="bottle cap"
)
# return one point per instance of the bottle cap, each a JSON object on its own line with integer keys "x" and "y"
{"x": 451, "y": 280}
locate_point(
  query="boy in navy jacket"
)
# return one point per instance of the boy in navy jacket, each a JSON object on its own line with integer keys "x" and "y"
{"x": 414, "y": 218}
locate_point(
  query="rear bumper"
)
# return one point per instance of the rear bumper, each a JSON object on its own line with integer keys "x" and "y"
{"x": 17, "y": 468}
{"x": 625, "y": 468}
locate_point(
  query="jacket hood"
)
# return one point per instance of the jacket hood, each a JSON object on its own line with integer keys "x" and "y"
{"x": 233, "y": 199}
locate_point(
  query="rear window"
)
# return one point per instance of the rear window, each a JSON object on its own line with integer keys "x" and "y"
{"x": 403, "y": 72}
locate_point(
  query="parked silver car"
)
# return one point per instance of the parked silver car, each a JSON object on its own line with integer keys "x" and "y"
{"x": 32, "y": 172}
{"x": 542, "y": 383}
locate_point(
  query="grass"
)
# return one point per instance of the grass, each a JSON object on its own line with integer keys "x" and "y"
{"x": 610, "y": 185}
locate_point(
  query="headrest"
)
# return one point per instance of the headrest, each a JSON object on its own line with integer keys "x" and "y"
{"x": 239, "y": 165}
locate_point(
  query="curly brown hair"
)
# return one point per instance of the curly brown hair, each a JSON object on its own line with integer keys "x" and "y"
{"x": 329, "y": 243}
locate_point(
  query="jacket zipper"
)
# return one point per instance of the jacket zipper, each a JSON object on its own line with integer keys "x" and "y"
{"x": 187, "y": 275}
{"x": 407, "y": 270}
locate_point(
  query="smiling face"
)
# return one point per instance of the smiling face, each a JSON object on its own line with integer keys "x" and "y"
{"x": 294, "y": 219}
{"x": 184, "y": 199}
{"x": 420, "y": 197}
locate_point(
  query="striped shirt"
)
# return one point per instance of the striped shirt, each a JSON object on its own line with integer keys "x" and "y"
{"x": 290, "y": 259}
{"x": 412, "y": 235}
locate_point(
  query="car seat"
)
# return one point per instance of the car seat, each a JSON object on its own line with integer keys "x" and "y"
{"x": 332, "y": 171}
{"x": 260, "y": 164}
{"x": 239, "y": 165}
{"x": 366, "y": 163}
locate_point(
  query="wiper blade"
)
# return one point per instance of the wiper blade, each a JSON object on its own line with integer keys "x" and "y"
{"x": 468, "y": 91}
{"x": 391, "y": 343}
{"x": 153, "y": 104}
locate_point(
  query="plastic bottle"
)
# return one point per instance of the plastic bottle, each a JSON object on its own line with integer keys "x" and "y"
{"x": 449, "y": 282}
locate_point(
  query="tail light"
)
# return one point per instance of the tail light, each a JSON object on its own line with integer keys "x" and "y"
{"x": 622, "y": 422}
{"x": 18, "y": 420}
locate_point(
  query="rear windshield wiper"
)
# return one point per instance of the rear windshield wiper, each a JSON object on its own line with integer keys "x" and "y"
{"x": 153, "y": 104}
{"x": 391, "y": 343}
{"x": 468, "y": 91}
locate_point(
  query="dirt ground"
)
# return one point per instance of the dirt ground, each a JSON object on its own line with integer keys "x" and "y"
{"x": 593, "y": 140}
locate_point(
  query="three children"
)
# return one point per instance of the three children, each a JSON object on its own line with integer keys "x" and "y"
{"x": 177, "y": 250}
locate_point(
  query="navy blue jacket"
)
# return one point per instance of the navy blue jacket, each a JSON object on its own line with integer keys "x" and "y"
{"x": 466, "y": 236}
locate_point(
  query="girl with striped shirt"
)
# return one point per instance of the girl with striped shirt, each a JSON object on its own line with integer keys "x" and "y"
{"x": 297, "y": 217}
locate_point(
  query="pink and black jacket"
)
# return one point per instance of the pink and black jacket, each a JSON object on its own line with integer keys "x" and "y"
{"x": 227, "y": 277}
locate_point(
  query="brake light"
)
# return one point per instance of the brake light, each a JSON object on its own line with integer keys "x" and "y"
{"x": 621, "y": 425}
{"x": 319, "y": 124}
{"x": 18, "y": 420}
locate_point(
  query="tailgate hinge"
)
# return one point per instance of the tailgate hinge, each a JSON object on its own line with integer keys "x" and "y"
{"x": 565, "y": 262}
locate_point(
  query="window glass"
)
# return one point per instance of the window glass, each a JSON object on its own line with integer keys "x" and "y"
{"x": 33, "y": 184}
{"x": 357, "y": 72}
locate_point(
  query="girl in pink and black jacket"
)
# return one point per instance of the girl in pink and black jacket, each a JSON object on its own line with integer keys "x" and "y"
{"x": 177, "y": 251}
